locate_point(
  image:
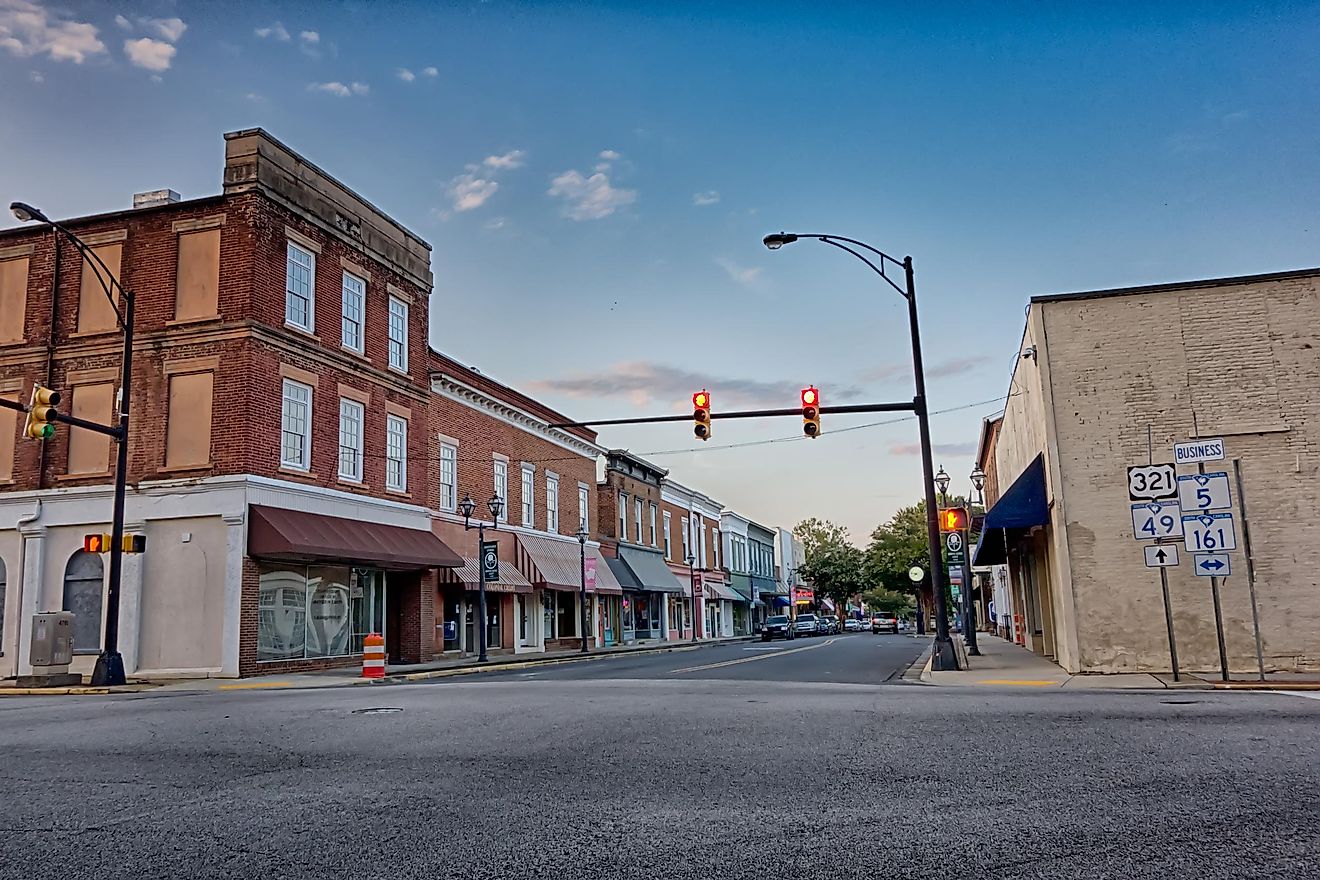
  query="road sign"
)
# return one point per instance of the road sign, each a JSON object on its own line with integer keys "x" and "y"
{"x": 1151, "y": 482}
{"x": 1198, "y": 492}
{"x": 1198, "y": 450}
{"x": 1207, "y": 532}
{"x": 1212, "y": 564}
{"x": 490, "y": 562}
{"x": 954, "y": 541}
{"x": 1161, "y": 555}
{"x": 916, "y": 573}
{"x": 1156, "y": 519}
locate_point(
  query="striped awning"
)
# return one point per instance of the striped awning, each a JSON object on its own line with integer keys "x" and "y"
{"x": 511, "y": 579}
{"x": 557, "y": 565}
{"x": 717, "y": 590}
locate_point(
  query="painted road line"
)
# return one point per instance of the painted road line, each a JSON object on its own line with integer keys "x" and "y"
{"x": 254, "y": 685}
{"x": 1310, "y": 695}
{"x": 754, "y": 658}
{"x": 1021, "y": 682}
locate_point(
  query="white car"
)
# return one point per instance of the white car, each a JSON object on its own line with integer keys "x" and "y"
{"x": 852, "y": 625}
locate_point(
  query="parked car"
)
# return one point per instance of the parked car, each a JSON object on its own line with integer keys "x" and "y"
{"x": 884, "y": 622}
{"x": 805, "y": 625}
{"x": 852, "y": 625}
{"x": 777, "y": 626}
{"x": 827, "y": 625}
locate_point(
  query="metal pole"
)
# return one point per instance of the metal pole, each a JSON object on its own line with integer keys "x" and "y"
{"x": 1214, "y": 592}
{"x": 584, "y": 596}
{"x": 969, "y": 613}
{"x": 1251, "y": 568}
{"x": 109, "y": 668}
{"x": 481, "y": 592}
{"x": 1168, "y": 622}
{"x": 944, "y": 656}
{"x": 692, "y": 583}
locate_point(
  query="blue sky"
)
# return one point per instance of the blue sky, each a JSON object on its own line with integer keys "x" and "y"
{"x": 595, "y": 180}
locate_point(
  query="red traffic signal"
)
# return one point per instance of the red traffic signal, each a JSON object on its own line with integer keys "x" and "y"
{"x": 701, "y": 414}
{"x": 102, "y": 543}
{"x": 811, "y": 412}
{"x": 953, "y": 519}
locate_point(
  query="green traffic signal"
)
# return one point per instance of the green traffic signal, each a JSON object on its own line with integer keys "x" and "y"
{"x": 46, "y": 432}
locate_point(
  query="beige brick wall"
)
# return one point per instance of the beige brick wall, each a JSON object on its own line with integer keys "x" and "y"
{"x": 1244, "y": 359}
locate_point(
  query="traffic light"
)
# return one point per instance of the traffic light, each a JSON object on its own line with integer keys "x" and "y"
{"x": 41, "y": 413}
{"x": 102, "y": 543}
{"x": 811, "y": 412}
{"x": 701, "y": 414}
{"x": 953, "y": 519}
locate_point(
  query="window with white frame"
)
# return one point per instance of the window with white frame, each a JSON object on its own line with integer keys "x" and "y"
{"x": 296, "y": 426}
{"x": 350, "y": 439}
{"x": 715, "y": 548}
{"x": 637, "y": 519}
{"x": 683, "y": 528}
{"x": 651, "y": 521}
{"x": 396, "y": 453}
{"x": 552, "y": 503}
{"x": 699, "y": 530}
{"x": 299, "y": 288}
{"x": 623, "y": 516}
{"x": 355, "y": 298}
{"x": 584, "y": 501}
{"x": 448, "y": 476}
{"x": 502, "y": 487}
{"x": 668, "y": 526}
{"x": 528, "y": 487}
{"x": 398, "y": 333}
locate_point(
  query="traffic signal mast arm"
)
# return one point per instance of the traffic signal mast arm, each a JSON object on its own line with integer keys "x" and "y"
{"x": 57, "y": 416}
{"x": 905, "y": 406}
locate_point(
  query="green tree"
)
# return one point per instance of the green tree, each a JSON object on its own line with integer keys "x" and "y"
{"x": 896, "y": 546}
{"x": 819, "y": 534}
{"x": 836, "y": 572}
{"x": 888, "y": 600}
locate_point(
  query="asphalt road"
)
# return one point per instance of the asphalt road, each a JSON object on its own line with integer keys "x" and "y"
{"x": 680, "y": 775}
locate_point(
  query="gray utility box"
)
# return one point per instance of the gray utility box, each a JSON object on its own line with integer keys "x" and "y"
{"x": 52, "y": 641}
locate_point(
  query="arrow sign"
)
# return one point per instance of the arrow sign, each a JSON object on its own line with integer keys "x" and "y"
{"x": 1161, "y": 555}
{"x": 1212, "y": 564}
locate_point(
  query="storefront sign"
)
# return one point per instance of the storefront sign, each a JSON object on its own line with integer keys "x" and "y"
{"x": 490, "y": 562}
{"x": 591, "y": 574}
{"x": 696, "y": 586}
{"x": 801, "y": 595}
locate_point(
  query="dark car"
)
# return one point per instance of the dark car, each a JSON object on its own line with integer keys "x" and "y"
{"x": 777, "y": 626}
{"x": 884, "y": 623}
{"x": 805, "y": 625}
{"x": 827, "y": 626}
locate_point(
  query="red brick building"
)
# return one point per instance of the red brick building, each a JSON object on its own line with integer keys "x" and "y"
{"x": 281, "y": 418}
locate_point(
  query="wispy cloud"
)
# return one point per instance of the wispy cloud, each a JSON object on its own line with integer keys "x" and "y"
{"x": 405, "y": 74}
{"x": 168, "y": 29}
{"x": 957, "y": 366}
{"x": 149, "y": 54}
{"x": 594, "y": 196}
{"x": 747, "y": 276}
{"x": 496, "y": 223}
{"x": 28, "y": 29}
{"x": 885, "y": 372}
{"x": 644, "y": 383}
{"x": 36, "y": 76}
{"x": 709, "y": 197}
{"x": 468, "y": 191}
{"x": 610, "y": 155}
{"x": 340, "y": 90}
{"x": 123, "y": 22}
{"x": 430, "y": 71}
{"x": 274, "y": 31}
{"x": 938, "y": 448}
{"x": 511, "y": 159}
{"x": 310, "y": 37}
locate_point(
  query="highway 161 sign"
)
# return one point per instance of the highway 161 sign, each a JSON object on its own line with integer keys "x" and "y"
{"x": 1151, "y": 482}
{"x": 1209, "y": 532}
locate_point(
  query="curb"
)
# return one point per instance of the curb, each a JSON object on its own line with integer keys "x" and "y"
{"x": 75, "y": 690}
{"x": 1265, "y": 686}
{"x": 529, "y": 664}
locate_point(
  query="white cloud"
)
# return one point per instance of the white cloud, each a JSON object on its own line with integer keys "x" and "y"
{"x": 253, "y": 96}
{"x": 337, "y": 89}
{"x": 123, "y": 23}
{"x": 359, "y": 88}
{"x": 744, "y": 275}
{"x": 609, "y": 155}
{"x": 150, "y": 54}
{"x": 469, "y": 191}
{"x": 167, "y": 28}
{"x": 511, "y": 159}
{"x": 496, "y": 223}
{"x": 310, "y": 37}
{"x": 709, "y": 197}
{"x": 430, "y": 71}
{"x": 590, "y": 198}
{"x": 36, "y": 76}
{"x": 28, "y": 29}
{"x": 406, "y": 75}
{"x": 275, "y": 31}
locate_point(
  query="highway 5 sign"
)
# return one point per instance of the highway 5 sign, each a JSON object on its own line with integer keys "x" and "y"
{"x": 1151, "y": 482}
{"x": 1161, "y": 555}
{"x": 1209, "y": 532}
{"x": 1157, "y": 519}
{"x": 1198, "y": 492}
{"x": 1212, "y": 564}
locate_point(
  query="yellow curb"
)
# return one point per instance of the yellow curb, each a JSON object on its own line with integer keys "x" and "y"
{"x": 1017, "y": 682}
{"x": 75, "y": 690}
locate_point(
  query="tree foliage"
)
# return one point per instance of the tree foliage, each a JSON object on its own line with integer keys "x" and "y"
{"x": 836, "y": 571}
{"x": 818, "y": 534}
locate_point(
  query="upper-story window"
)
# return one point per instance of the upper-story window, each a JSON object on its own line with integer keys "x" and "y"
{"x": 668, "y": 525}
{"x": 350, "y": 439}
{"x": 398, "y": 333}
{"x": 396, "y": 453}
{"x": 448, "y": 476}
{"x": 528, "y": 504}
{"x": 296, "y": 426}
{"x": 637, "y": 518}
{"x": 623, "y": 516}
{"x": 355, "y": 299}
{"x": 551, "y": 503}
{"x": 651, "y": 522}
{"x": 584, "y": 499}
{"x": 299, "y": 288}
{"x": 683, "y": 529}
{"x": 502, "y": 487}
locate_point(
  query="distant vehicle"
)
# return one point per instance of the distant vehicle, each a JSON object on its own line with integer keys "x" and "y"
{"x": 852, "y": 625}
{"x": 805, "y": 625}
{"x": 825, "y": 625}
{"x": 884, "y": 622}
{"x": 777, "y": 626}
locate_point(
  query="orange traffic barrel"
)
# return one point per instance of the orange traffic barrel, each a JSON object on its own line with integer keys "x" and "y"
{"x": 373, "y": 656}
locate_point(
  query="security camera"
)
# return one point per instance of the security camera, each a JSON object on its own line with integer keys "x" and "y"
{"x": 1029, "y": 352}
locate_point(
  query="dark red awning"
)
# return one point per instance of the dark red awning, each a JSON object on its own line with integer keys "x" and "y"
{"x": 296, "y": 536}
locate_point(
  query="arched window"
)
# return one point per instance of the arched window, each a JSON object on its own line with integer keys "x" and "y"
{"x": 84, "y": 586}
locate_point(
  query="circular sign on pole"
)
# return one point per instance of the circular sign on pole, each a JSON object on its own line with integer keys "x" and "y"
{"x": 954, "y": 541}
{"x": 915, "y": 574}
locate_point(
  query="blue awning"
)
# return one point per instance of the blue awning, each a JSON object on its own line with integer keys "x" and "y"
{"x": 1024, "y": 505}
{"x": 781, "y": 602}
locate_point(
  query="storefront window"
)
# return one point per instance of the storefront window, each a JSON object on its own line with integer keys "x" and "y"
{"x": 453, "y": 604}
{"x": 321, "y": 611}
{"x": 567, "y": 613}
{"x": 282, "y": 613}
{"x": 367, "y": 595}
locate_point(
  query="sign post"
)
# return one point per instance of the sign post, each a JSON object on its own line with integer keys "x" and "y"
{"x": 1157, "y": 517}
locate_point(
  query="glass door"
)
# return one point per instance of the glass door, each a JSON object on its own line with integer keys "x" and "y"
{"x": 367, "y": 601}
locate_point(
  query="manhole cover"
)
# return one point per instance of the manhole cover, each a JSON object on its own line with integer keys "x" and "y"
{"x": 378, "y": 710}
{"x": 1179, "y": 702}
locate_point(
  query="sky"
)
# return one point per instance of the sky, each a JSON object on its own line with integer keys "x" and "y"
{"x": 596, "y": 178}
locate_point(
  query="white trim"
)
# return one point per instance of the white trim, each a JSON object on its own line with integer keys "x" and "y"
{"x": 458, "y": 392}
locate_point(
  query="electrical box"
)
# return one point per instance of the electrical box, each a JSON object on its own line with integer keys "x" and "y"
{"x": 52, "y": 640}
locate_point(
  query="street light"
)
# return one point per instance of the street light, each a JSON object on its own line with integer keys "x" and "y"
{"x": 109, "y": 668}
{"x": 467, "y": 507}
{"x": 942, "y": 483}
{"x": 582, "y": 542}
{"x": 692, "y": 581}
{"x": 944, "y": 656}
{"x": 969, "y": 610}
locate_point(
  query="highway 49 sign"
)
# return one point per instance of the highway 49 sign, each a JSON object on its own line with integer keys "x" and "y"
{"x": 1151, "y": 482}
{"x": 1157, "y": 519}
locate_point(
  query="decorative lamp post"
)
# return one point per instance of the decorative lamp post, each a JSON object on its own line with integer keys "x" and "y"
{"x": 582, "y": 542}
{"x": 467, "y": 507}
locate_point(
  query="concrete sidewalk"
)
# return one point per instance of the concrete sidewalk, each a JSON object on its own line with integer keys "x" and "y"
{"x": 1004, "y": 664}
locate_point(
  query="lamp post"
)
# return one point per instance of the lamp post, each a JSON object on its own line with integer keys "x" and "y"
{"x": 109, "y": 668}
{"x": 944, "y": 657}
{"x": 969, "y": 614}
{"x": 467, "y": 506}
{"x": 692, "y": 581}
{"x": 582, "y": 542}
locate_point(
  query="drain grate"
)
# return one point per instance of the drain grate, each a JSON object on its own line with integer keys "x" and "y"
{"x": 1179, "y": 702}
{"x": 377, "y": 710}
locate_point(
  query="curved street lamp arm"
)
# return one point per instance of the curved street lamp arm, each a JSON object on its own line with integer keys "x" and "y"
{"x": 95, "y": 261}
{"x": 879, "y": 270}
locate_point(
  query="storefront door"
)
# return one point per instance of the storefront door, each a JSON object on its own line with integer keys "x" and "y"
{"x": 522, "y": 611}
{"x": 367, "y": 601}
